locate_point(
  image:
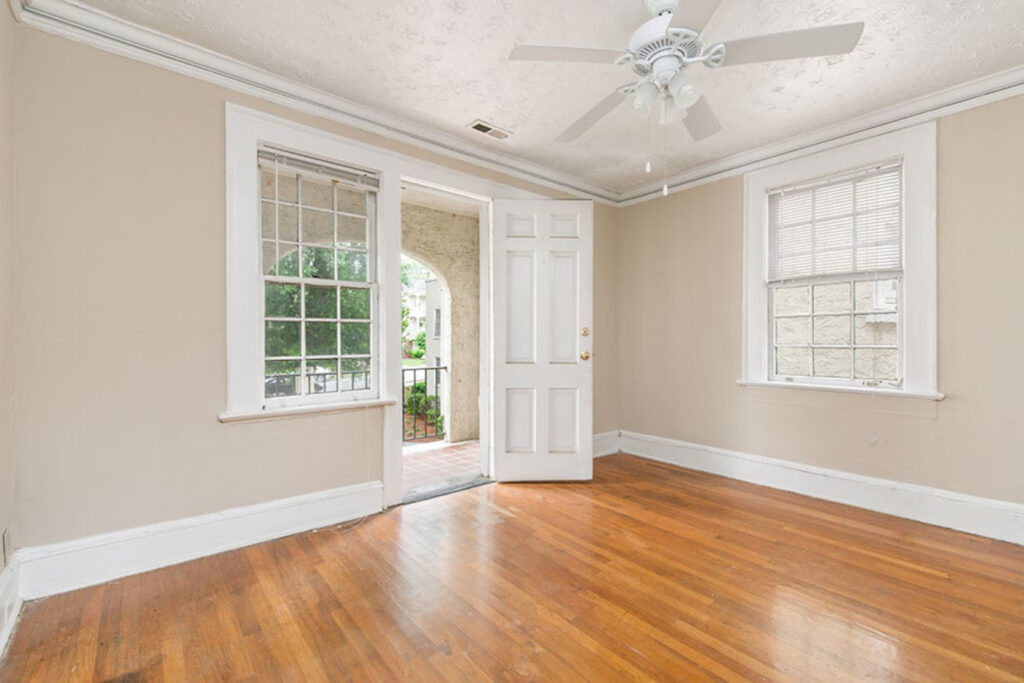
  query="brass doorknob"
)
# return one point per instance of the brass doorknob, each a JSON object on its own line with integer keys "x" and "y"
{"x": 585, "y": 355}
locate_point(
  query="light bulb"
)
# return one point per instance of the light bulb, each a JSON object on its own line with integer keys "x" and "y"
{"x": 664, "y": 190}
{"x": 685, "y": 90}
{"x": 647, "y": 167}
{"x": 645, "y": 96}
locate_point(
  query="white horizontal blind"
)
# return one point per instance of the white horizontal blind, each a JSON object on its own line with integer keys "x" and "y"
{"x": 353, "y": 177}
{"x": 842, "y": 225}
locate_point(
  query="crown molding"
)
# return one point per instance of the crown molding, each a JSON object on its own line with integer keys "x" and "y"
{"x": 83, "y": 24}
{"x": 998, "y": 86}
{"x": 77, "y": 22}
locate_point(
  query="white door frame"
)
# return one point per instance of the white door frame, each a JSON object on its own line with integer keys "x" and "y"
{"x": 483, "y": 191}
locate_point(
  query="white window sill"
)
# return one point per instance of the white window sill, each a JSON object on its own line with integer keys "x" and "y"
{"x": 297, "y": 411}
{"x": 870, "y": 391}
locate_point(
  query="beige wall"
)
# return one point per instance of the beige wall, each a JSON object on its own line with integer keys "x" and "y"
{"x": 680, "y": 296}
{"x": 7, "y": 468}
{"x": 449, "y": 245}
{"x": 120, "y": 306}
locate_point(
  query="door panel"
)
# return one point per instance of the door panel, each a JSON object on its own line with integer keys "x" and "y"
{"x": 542, "y": 306}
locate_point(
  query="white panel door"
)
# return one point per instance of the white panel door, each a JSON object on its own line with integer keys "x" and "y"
{"x": 542, "y": 288}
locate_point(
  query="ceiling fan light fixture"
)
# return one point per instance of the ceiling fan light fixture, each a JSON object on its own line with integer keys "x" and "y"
{"x": 685, "y": 90}
{"x": 644, "y": 99}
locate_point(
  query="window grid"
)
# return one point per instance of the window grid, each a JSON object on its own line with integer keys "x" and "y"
{"x": 304, "y": 383}
{"x": 853, "y": 312}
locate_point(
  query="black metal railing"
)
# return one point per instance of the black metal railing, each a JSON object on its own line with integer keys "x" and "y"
{"x": 421, "y": 403}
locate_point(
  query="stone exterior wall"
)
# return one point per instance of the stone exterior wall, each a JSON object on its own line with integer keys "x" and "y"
{"x": 449, "y": 244}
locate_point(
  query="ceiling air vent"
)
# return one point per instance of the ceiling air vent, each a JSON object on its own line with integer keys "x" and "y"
{"x": 490, "y": 129}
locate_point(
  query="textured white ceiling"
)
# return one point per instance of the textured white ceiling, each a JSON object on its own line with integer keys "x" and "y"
{"x": 444, "y": 63}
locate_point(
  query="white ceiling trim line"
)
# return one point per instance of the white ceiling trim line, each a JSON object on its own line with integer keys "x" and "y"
{"x": 83, "y": 24}
{"x": 71, "y": 20}
{"x": 998, "y": 86}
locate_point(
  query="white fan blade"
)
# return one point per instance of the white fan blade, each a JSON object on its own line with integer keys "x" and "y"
{"x": 558, "y": 53}
{"x": 701, "y": 120}
{"x": 585, "y": 122}
{"x": 694, "y": 14}
{"x": 812, "y": 42}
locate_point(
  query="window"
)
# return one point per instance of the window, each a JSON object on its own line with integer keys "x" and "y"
{"x": 835, "y": 267}
{"x": 317, "y": 226}
{"x": 839, "y": 268}
{"x": 437, "y": 322}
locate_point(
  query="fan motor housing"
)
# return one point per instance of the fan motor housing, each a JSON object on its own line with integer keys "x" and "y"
{"x": 655, "y": 52}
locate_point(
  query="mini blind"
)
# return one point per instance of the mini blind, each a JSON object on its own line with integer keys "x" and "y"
{"x": 358, "y": 178}
{"x": 842, "y": 225}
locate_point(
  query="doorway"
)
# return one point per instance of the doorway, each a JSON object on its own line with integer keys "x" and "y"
{"x": 441, "y": 342}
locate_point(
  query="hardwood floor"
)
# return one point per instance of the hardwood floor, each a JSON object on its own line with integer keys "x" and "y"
{"x": 648, "y": 572}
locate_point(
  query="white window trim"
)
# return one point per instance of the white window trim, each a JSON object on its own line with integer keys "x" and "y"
{"x": 245, "y": 131}
{"x": 918, "y": 337}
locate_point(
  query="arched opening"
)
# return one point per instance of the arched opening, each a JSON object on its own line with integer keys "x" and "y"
{"x": 426, "y": 303}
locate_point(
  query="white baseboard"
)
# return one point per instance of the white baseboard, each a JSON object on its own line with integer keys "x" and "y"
{"x": 60, "y": 567}
{"x": 10, "y": 603}
{"x": 606, "y": 443}
{"x": 997, "y": 519}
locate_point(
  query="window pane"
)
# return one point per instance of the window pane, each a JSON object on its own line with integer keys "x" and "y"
{"x": 288, "y": 265}
{"x": 355, "y": 338}
{"x": 792, "y": 362}
{"x": 832, "y": 329}
{"x": 317, "y": 193}
{"x": 282, "y": 339}
{"x": 833, "y": 363}
{"x": 267, "y": 190}
{"x": 351, "y": 232}
{"x": 832, "y": 298}
{"x": 355, "y": 303}
{"x": 322, "y": 376}
{"x": 269, "y": 258}
{"x": 787, "y": 330}
{"x": 792, "y": 300}
{"x": 268, "y": 219}
{"x": 321, "y": 339}
{"x": 877, "y": 364}
{"x": 355, "y": 374}
{"x": 318, "y": 263}
{"x": 287, "y": 186}
{"x": 287, "y": 223}
{"x": 282, "y": 301}
{"x": 351, "y": 201}
{"x": 877, "y": 295}
{"x": 352, "y": 265}
{"x": 282, "y": 378}
{"x": 317, "y": 227}
{"x": 321, "y": 302}
{"x": 876, "y": 329}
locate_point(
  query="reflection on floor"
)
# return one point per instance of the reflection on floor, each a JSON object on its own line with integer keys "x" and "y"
{"x": 439, "y": 467}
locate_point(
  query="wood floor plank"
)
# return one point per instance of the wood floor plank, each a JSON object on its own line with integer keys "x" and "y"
{"x": 648, "y": 572}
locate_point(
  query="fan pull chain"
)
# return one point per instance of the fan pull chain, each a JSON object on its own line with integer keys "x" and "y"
{"x": 664, "y": 151}
{"x": 647, "y": 166}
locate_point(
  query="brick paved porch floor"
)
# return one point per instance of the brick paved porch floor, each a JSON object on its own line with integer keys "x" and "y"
{"x": 434, "y": 466}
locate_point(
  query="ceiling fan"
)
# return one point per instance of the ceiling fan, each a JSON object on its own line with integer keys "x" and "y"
{"x": 664, "y": 48}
